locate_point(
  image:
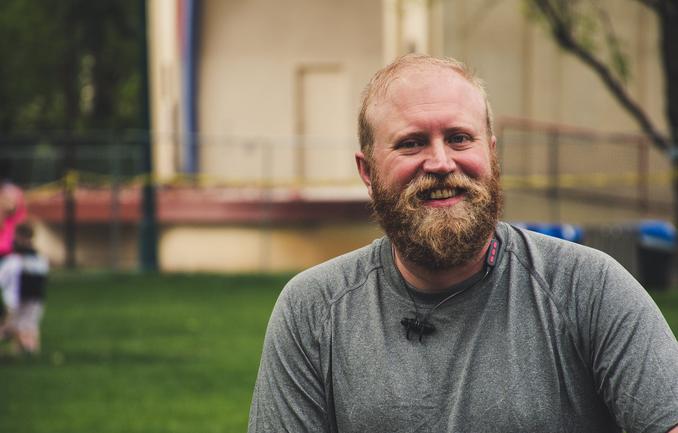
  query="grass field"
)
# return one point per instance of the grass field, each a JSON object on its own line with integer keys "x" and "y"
{"x": 149, "y": 353}
{"x": 133, "y": 353}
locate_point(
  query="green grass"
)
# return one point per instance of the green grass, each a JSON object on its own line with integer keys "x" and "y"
{"x": 149, "y": 353}
{"x": 668, "y": 302}
{"x": 141, "y": 353}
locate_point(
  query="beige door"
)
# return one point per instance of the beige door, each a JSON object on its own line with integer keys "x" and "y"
{"x": 326, "y": 143}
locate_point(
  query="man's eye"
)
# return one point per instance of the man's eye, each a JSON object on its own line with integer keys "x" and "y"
{"x": 459, "y": 138}
{"x": 408, "y": 144}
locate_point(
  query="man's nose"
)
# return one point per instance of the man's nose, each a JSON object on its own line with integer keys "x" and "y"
{"x": 439, "y": 159}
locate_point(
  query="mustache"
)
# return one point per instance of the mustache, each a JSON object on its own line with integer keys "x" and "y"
{"x": 418, "y": 189}
{"x": 419, "y": 186}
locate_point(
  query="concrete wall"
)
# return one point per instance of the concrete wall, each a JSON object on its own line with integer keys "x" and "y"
{"x": 279, "y": 87}
{"x": 210, "y": 247}
{"x": 280, "y": 82}
{"x": 250, "y": 249}
{"x": 280, "y": 247}
{"x": 267, "y": 66}
{"x": 98, "y": 245}
{"x": 529, "y": 76}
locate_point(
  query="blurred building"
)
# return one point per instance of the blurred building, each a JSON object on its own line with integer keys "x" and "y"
{"x": 254, "y": 107}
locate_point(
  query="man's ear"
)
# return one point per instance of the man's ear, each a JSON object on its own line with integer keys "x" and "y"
{"x": 364, "y": 170}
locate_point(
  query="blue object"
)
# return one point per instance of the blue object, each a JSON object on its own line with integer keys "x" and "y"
{"x": 569, "y": 232}
{"x": 657, "y": 234}
{"x": 190, "y": 47}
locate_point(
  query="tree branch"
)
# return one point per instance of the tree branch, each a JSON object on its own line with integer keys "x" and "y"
{"x": 562, "y": 30}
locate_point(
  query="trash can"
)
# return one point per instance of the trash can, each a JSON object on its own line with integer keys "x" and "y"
{"x": 656, "y": 248}
{"x": 569, "y": 232}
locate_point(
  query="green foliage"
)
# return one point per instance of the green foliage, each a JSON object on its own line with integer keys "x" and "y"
{"x": 668, "y": 302}
{"x": 142, "y": 353}
{"x": 586, "y": 29}
{"x": 588, "y": 25}
{"x": 69, "y": 65}
{"x": 619, "y": 61}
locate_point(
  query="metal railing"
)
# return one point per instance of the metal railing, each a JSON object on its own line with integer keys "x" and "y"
{"x": 621, "y": 170}
{"x": 552, "y": 161}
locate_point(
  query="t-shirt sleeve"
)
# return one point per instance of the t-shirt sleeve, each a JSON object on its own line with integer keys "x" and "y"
{"x": 633, "y": 353}
{"x": 289, "y": 395}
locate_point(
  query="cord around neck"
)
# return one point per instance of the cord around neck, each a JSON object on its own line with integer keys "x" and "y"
{"x": 421, "y": 321}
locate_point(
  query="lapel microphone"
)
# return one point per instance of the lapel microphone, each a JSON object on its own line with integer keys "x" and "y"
{"x": 421, "y": 325}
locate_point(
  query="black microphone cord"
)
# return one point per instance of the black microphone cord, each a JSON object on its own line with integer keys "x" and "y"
{"x": 419, "y": 323}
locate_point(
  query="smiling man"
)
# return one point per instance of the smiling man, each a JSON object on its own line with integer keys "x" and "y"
{"x": 454, "y": 321}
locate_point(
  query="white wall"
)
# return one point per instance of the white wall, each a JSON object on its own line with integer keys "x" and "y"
{"x": 164, "y": 85}
{"x": 252, "y": 54}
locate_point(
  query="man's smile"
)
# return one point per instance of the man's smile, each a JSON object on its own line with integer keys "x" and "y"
{"x": 440, "y": 193}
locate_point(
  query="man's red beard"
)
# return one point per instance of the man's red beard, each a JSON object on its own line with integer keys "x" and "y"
{"x": 439, "y": 237}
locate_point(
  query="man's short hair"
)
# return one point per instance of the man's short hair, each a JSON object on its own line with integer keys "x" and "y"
{"x": 382, "y": 79}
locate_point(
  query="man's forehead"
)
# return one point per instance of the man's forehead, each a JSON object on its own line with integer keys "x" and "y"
{"x": 426, "y": 83}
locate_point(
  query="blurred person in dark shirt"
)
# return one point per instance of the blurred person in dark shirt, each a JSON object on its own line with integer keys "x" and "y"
{"x": 23, "y": 275}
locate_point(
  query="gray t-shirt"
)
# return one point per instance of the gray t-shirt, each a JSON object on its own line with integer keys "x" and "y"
{"x": 557, "y": 338}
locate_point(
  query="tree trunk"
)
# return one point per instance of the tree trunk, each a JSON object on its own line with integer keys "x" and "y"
{"x": 71, "y": 91}
{"x": 668, "y": 19}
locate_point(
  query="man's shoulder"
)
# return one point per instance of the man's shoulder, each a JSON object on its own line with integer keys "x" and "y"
{"x": 339, "y": 274}
{"x": 538, "y": 247}
{"x": 567, "y": 271}
{"x": 548, "y": 257}
{"x": 346, "y": 269}
{"x": 572, "y": 278}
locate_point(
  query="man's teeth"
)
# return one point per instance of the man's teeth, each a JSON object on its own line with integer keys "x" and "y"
{"x": 440, "y": 194}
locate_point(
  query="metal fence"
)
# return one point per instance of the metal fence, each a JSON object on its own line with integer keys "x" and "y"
{"x": 624, "y": 169}
{"x": 621, "y": 170}
{"x": 39, "y": 159}
{"x": 553, "y": 162}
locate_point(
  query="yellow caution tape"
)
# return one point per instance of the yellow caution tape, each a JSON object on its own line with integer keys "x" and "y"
{"x": 74, "y": 179}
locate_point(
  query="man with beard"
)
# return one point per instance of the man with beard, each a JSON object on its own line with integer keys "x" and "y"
{"x": 455, "y": 322}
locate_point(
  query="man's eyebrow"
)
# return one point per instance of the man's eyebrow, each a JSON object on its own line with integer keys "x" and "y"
{"x": 458, "y": 129}
{"x": 398, "y": 138}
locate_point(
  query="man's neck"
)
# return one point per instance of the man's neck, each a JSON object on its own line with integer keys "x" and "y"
{"x": 432, "y": 281}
